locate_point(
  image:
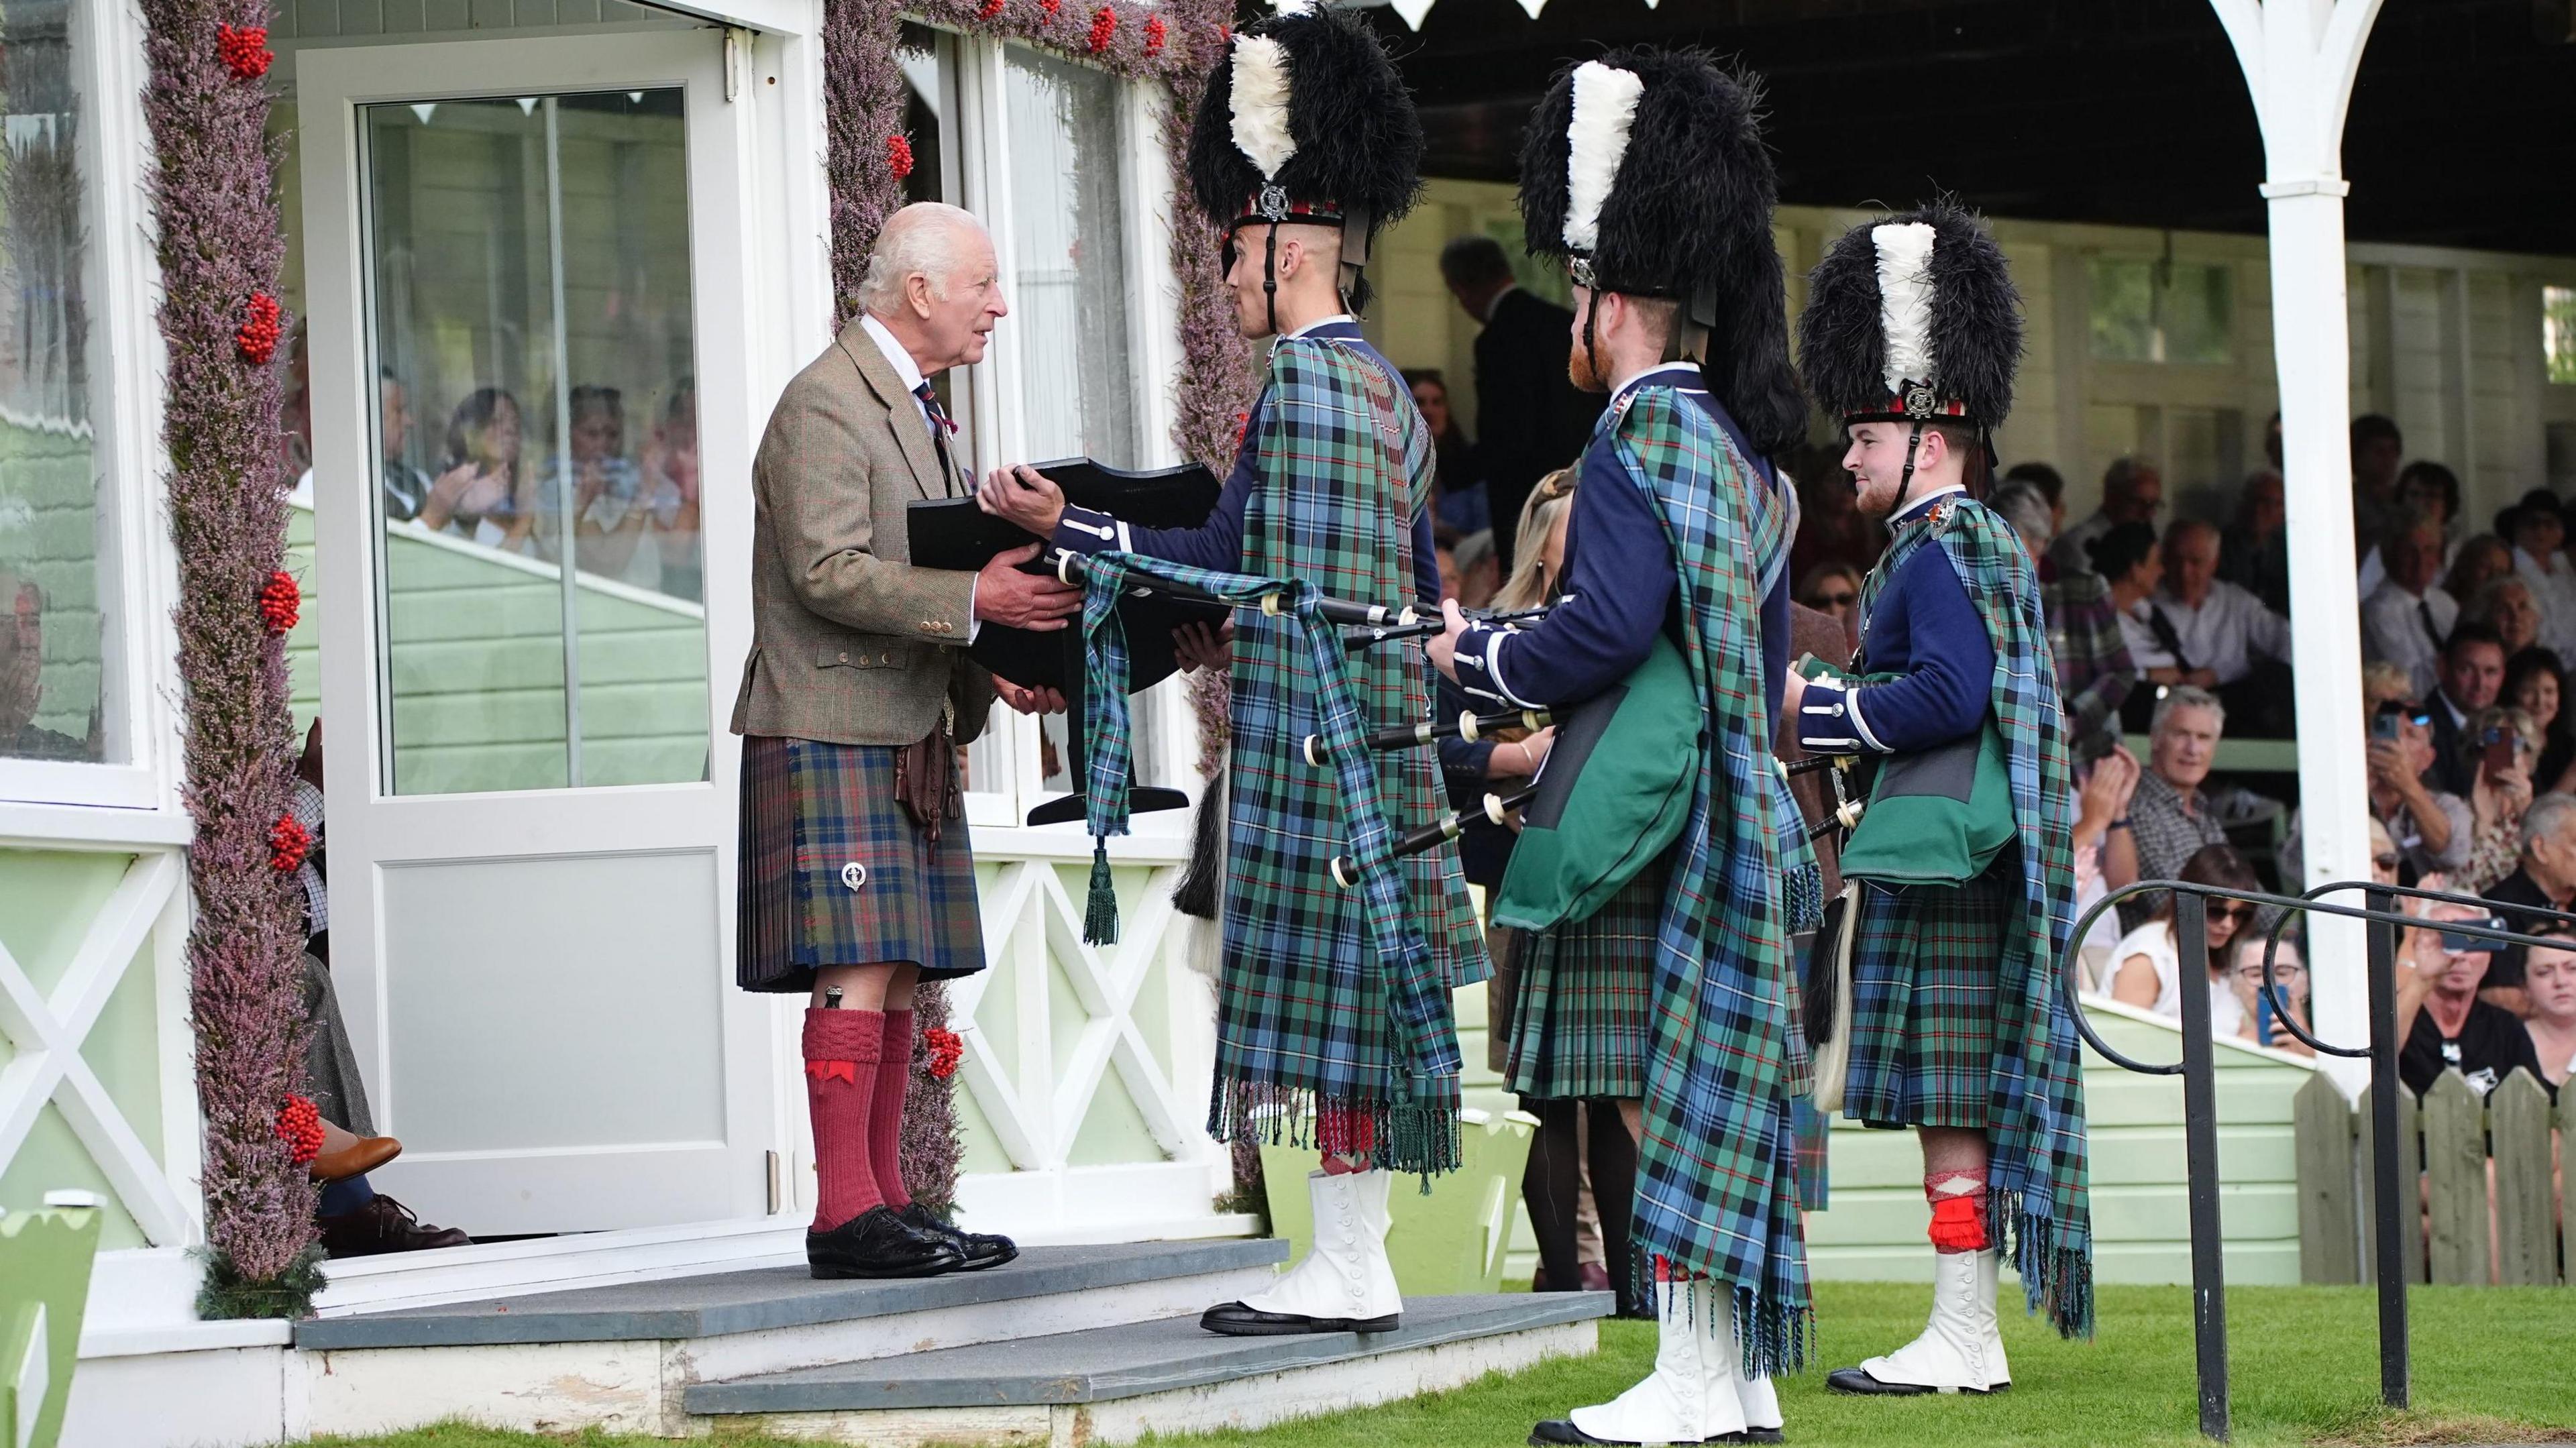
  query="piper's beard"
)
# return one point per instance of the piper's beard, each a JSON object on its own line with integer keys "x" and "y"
{"x": 1580, "y": 371}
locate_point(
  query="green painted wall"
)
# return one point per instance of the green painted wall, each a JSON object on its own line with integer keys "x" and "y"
{"x": 49, "y": 523}
{"x": 47, "y": 900}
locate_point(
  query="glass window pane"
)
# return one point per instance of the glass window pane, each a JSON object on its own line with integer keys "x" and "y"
{"x": 536, "y": 408}
{"x": 2558, "y": 312}
{"x": 1069, "y": 261}
{"x": 54, "y": 646}
{"x": 2161, "y": 311}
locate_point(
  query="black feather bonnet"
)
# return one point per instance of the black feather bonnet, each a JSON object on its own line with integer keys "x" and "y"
{"x": 1306, "y": 119}
{"x": 1647, "y": 173}
{"x": 1913, "y": 318}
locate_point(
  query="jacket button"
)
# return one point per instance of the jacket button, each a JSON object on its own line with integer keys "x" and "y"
{"x": 845, "y": 658}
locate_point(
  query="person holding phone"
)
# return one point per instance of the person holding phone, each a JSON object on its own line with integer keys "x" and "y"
{"x": 2432, "y": 827}
{"x": 2500, "y": 744}
{"x": 2441, "y": 1021}
{"x": 2260, "y": 1022}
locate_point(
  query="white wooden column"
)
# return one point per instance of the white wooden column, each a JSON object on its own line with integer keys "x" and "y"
{"x": 2299, "y": 57}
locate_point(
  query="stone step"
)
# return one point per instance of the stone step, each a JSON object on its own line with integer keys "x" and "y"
{"x": 768, "y": 1298}
{"x": 619, "y": 1357}
{"x": 1114, "y": 1384}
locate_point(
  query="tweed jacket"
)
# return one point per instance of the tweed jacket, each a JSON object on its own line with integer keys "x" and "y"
{"x": 850, "y": 643}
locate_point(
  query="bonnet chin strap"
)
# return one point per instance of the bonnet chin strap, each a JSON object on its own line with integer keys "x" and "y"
{"x": 1355, "y": 253}
{"x": 1270, "y": 275}
{"x": 1905, "y": 489}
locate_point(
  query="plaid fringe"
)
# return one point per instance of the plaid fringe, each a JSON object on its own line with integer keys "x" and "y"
{"x": 1418, "y": 1137}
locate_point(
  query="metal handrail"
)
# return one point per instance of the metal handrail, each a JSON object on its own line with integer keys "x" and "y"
{"x": 2197, "y": 1068}
{"x": 2272, "y": 945}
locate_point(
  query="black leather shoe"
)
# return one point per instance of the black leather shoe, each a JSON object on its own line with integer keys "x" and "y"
{"x": 877, "y": 1243}
{"x": 384, "y": 1225}
{"x": 1233, "y": 1319}
{"x": 980, "y": 1249}
{"x": 1857, "y": 1381}
{"x": 1561, "y": 1431}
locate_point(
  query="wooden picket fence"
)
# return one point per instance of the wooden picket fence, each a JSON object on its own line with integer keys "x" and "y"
{"x": 2446, "y": 1142}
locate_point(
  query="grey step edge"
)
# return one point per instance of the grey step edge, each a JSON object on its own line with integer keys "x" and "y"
{"x": 1104, "y": 1364}
{"x": 718, "y": 1303}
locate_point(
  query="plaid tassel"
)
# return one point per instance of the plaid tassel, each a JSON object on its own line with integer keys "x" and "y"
{"x": 1100, "y": 914}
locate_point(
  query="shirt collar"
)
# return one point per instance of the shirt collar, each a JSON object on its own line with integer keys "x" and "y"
{"x": 1688, "y": 377}
{"x": 1338, "y": 319}
{"x": 1923, "y": 505}
{"x": 1496, "y": 304}
{"x": 905, "y": 369}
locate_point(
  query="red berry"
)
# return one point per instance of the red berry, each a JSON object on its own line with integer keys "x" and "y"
{"x": 244, "y": 50}
{"x": 1155, "y": 33}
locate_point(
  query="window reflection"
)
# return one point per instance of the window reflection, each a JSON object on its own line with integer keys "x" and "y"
{"x": 53, "y": 639}
{"x": 536, "y": 442}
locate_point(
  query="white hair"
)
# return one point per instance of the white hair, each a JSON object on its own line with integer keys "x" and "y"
{"x": 2546, "y": 817}
{"x": 917, "y": 241}
{"x": 2181, "y": 697}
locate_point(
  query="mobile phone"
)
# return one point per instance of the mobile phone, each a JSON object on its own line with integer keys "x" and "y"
{"x": 2458, "y": 944}
{"x": 2383, "y": 725}
{"x": 2499, "y": 746}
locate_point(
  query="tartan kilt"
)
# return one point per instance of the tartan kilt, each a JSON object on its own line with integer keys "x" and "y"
{"x": 810, "y": 812}
{"x": 1925, "y": 971}
{"x": 1583, "y": 1023}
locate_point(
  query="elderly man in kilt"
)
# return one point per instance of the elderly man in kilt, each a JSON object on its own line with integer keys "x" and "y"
{"x": 1306, "y": 142}
{"x": 1960, "y": 1025}
{"x": 856, "y": 880}
{"x": 1675, "y": 997}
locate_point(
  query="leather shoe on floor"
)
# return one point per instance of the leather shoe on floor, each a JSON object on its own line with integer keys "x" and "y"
{"x": 1561, "y": 1431}
{"x": 1858, "y": 1381}
{"x": 384, "y": 1225}
{"x": 1234, "y": 1319}
{"x": 877, "y": 1243}
{"x": 980, "y": 1249}
{"x": 358, "y": 1158}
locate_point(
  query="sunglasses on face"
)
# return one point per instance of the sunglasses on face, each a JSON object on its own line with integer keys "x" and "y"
{"x": 2389, "y": 861}
{"x": 2239, "y": 914}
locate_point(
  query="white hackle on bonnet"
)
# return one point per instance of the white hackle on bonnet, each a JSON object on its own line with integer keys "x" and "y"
{"x": 1596, "y": 135}
{"x": 1905, "y": 301}
{"x": 1261, "y": 104}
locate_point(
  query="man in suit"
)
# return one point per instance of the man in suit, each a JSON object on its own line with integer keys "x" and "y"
{"x": 856, "y": 878}
{"x": 1530, "y": 417}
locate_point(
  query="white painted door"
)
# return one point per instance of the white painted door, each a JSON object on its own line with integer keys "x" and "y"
{"x": 527, "y": 275}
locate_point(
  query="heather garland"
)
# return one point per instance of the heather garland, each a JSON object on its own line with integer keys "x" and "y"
{"x": 220, "y": 250}
{"x": 1176, "y": 44}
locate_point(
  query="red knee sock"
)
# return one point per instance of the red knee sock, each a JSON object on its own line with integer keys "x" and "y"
{"x": 841, "y": 1049}
{"x": 885, "y": 1113}
{"x": 1958, "y": 1210}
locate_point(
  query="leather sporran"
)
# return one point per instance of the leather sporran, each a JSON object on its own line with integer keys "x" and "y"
{"x": 925, "y": 780}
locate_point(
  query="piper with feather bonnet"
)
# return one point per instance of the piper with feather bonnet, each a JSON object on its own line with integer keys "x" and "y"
{"x": 1672, "y": 1002}
{"x": 1334, "y": 1022}
{"x": 1958, "y": 1021}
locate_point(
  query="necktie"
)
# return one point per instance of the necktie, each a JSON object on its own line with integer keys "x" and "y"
{"x": 2424, "y": 611}
{"x": 2166, "y": 637}
{"x": 941, "y": 425}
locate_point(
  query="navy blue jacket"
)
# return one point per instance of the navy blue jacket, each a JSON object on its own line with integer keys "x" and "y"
{"x": 1921, "y": 626}
{"x": 1619, "y": 587}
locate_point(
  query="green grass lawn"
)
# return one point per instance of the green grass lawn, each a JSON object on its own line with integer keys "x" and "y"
{"x": 2491, "y": 1366}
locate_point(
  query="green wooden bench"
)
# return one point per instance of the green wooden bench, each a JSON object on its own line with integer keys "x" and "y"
{"x": 44, "y": 1287}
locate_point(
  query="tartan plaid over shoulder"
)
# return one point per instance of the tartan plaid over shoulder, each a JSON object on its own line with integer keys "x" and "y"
{"x": 2036, "y": 1168}
{"x": 1328, "y": 999}
{"x": 1717, "y": 1175}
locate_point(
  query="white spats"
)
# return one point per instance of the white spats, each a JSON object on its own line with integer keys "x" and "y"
{"x": 1261, "y": 104}
{"x": 1960, "y": 1351}
{"x": 1905, "y": 300}
{"x": 1605, "y": 105}
{"x": 1698, "y": 1391}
